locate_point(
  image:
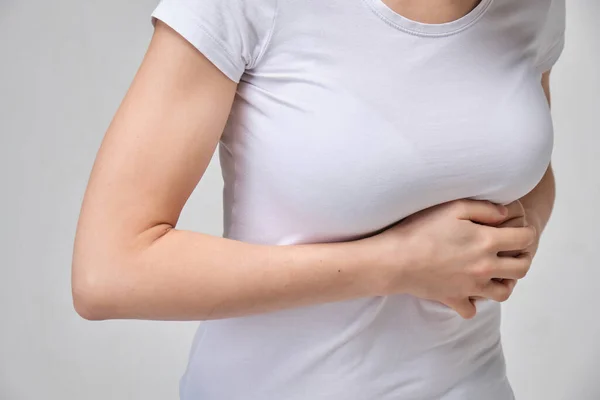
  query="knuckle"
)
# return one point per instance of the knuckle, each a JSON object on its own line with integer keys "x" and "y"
{"x": 461, "y": 206}
{"x": 523, "y": 269}
{"x": 502, "y": 297}
{"x": 483, "y": 270}
{"x": 488, "y": 242}
{"x": 522, "y": 273}
{"x": 524, "y": 239}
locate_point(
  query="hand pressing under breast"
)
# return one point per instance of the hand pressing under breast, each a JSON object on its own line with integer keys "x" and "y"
{"x": 451, "y": 253}
{"x": 516, "y": 218}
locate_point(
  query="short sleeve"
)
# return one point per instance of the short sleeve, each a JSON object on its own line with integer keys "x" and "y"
{"x": 232, "y": 34}
{"x": 551, "y": 39}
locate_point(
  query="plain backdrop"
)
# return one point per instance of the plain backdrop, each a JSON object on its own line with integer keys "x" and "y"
{"x": 64, "y": 68}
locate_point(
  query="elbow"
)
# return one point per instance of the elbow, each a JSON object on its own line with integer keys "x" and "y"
{"x": 89, "y": 299}
{"x": 94, "y": 292}
{"x": 87, "y": 308}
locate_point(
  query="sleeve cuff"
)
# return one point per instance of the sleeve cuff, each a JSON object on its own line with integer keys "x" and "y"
{"x": 552, "y": 56}
{"x": 181, "y": 20}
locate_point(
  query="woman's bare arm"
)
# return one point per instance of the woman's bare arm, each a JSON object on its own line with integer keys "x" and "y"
{"x": 130, "y": 262}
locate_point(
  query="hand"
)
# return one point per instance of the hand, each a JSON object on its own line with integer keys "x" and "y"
{"x": 450, "y": 254}
{"x": 517, "y": 218}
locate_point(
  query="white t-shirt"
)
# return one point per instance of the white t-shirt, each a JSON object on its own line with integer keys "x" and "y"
{"x": 348, "y": 118}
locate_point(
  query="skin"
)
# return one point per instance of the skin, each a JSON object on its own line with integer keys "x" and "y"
{"x": 433, "y": 11}
{"x": 131, "y": 262}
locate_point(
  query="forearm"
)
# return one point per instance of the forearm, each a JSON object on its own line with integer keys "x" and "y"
{"x": 183, "y": 275}
{"x": 538, "y": 203}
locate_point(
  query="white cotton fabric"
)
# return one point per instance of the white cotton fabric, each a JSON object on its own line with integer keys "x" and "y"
{"x": 348, "y": 118}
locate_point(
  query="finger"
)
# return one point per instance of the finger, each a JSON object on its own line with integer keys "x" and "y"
{"x": 464, "y": 307}
{"x": 516, "y": 222}
{"x": 507, "y": 239}
{"x": 507, "y": 268}
{"x": 480, "y": 211}
{"x": 512, "y": 283}
{"x": 499, "y": 291}
{"x": 515, "y": 210}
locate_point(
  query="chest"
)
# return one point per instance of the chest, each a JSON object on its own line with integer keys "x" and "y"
{"x": 355, "y": 135}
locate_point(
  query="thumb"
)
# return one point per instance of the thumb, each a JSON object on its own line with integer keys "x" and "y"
{"x": 464, "y": 307}
{"x": 482, "y": 212}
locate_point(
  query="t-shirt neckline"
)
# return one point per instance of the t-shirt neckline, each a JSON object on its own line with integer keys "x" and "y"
{"x": 424, "y": 29}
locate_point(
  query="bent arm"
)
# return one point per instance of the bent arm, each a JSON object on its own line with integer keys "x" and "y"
{"x": 130, "y": 261}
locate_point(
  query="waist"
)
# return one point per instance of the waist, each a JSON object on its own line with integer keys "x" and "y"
{"x": 374, "y": 347}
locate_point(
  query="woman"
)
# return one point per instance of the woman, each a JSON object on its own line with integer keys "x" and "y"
{"x": 387, "y": 177}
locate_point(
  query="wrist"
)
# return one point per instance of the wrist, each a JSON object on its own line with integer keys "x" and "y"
{"x": 363, "y": 261}
{"x": 384, "y": 259}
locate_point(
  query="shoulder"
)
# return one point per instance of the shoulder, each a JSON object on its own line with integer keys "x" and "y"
{"x": 230, "y": 33}
{"x": 226, "y": 8}
{"x": 556, "y": 14}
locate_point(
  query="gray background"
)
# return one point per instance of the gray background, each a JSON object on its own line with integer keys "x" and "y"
{"x": 65, "y": 66}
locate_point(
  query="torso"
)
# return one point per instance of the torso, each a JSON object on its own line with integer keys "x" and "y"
{"x": 354, "y": 118}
